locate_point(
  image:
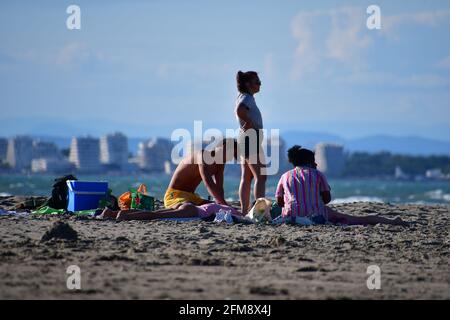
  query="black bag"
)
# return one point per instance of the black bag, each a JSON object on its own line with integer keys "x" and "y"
{"x": 58, "y": 200}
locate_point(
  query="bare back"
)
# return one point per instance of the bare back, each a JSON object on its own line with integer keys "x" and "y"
{"x": 187, "y": 174}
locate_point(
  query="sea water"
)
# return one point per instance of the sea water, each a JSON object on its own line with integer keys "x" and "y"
{"x": 343, "y": 190}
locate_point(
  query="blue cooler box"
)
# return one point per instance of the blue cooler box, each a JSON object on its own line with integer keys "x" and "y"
{"x": 84, "y": 195}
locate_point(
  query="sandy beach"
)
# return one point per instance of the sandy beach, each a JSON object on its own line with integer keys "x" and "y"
{"x": 207, "y": 260}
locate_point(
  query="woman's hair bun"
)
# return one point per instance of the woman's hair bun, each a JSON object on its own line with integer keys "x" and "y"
{"x": 242, "y": 78}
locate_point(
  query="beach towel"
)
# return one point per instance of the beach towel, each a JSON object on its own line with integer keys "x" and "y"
{"x": 49, "y": 210}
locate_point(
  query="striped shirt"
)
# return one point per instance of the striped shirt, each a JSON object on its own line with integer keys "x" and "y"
{"x": 300, "y": 189}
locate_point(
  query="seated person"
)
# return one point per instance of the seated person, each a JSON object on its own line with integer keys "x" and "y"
{"x": 304, "y": 192}
{"x": 185, "y": 210}
{"x": 198, "y": 167}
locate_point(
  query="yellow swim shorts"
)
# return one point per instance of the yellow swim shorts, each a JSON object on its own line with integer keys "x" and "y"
{"x": 174, "y": 196}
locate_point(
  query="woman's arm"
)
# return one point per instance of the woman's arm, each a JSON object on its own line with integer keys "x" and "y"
{"x": 213, "y": 189}
{"x": 280, "y": 201}
{"x": 242, "y": 113}
{"x": 326, "y": 196}
{"x": 218, "y": 177}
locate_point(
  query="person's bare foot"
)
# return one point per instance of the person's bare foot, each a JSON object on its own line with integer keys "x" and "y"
{"x": 107, "y": 214}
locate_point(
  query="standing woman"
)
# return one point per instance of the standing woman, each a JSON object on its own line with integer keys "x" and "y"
{"x": 250, "y": 138}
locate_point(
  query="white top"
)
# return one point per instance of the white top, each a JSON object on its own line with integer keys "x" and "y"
{"x": 253, "y": 111}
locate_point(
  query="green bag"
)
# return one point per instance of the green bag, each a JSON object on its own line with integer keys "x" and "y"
{"x": 141, "y": 201}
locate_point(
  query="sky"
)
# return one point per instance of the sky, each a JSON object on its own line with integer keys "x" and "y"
{"x": 149, "y": 67}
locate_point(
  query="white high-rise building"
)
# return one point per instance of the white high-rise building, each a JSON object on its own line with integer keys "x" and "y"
{"x": 330, "y": 158}
{"x": 20, "y": 152}
{"x": 51, "y": 165}
{"x": 85, "y": 153}
{"x": 434, "y": 174}
{"x": 154, "y": 155}
{"x": 114, "y": 149}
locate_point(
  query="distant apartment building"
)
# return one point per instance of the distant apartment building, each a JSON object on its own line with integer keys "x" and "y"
{"x": 330, "y": 158}
{"x": 48, "y": 158}
{"x": 20, "y": 152}
{"x": 43, "y": 149}
{"x": 85, "y": 154}
{"x": 434, "y": 173}
{"x": 3, "y": 149}
{"x": 155, "y": 155}
{"x": 53, "y": 165}
{"x": 399, "y": 174}
{"x": 114, "y": 150}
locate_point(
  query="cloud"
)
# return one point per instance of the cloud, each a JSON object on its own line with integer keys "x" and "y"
{"x": 391, "y": 80}
{"x": 424, "y": 18}
{"x": 390, "y": 25}
{"x": 76, "y": 54}
{"x": 425, "y": 81}
{"x": 306, "y": 55}
{"x": 341, "y": 36}
{"x": 444, "y": 63}
{"x": 344, "y": 39}
{"x": 347, "y": 39}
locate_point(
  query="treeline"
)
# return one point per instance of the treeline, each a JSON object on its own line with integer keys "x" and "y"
{"x": 362, "y": 164}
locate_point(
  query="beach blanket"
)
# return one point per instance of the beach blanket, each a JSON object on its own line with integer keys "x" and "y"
{"x": 229, "y": 218}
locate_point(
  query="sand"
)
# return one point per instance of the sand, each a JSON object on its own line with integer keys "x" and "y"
{"x": 206, "y": 260}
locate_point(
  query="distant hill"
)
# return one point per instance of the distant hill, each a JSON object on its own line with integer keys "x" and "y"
{"x": 411, "y": 145}
{"x": 308, "y": 139}
{"x": 403, "y": 145}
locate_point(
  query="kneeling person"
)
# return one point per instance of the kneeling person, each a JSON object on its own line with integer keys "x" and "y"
{"x": 197, "y": 167}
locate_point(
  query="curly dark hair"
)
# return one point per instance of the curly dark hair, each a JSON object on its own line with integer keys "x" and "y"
{"x": 242, "y": 78}
{"x": 299, "y": 156}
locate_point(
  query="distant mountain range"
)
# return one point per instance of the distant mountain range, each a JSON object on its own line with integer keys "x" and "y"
{"x": 411, "y": 145}
{"x": 60, "y": 132}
